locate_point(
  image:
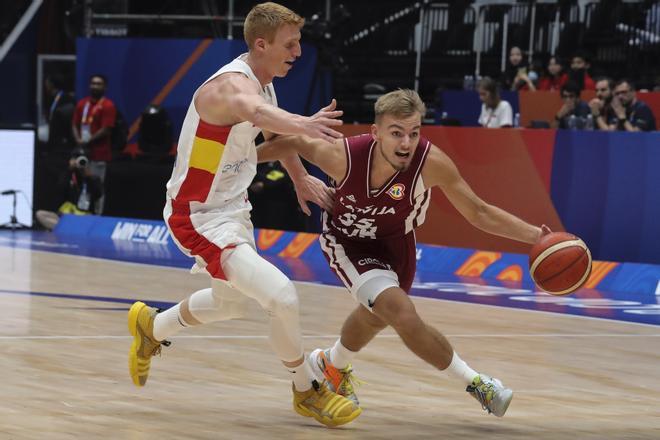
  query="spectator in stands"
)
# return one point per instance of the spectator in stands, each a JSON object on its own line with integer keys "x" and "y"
{"x": 574, "y": 112}
{"x": 516, "y": 76}
{"x": 630, "y": 114}
{"x": 495, "y": 112}
{"x": 79, "y": 191}
{"x": 92, "y": 126}
{"x": 579, "y": 71}
{"x": 555, "y": 76}
{"x": 60, "y": 111}
{"x": 601, "y": 105}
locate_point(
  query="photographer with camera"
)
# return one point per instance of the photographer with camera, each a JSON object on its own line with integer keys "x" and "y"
{"x": 79, "y": 189}
{"x": 92, "y": 127}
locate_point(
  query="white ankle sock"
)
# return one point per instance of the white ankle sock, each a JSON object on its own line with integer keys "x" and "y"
{"x": 302, "y": 375}
{"x": 341, "y": 356}
{"x": 460, "y": 370}
{"x": 168, "y": 323}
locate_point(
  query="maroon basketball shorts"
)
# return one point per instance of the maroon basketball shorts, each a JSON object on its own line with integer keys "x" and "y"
{"x": 367, "y": 268}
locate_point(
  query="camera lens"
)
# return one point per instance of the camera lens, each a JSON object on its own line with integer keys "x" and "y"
{"x": 81, "y": 161}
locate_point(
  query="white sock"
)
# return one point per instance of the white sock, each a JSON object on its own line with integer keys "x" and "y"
{"x": 302, "y": 375}
{"x": 341, "y": 356}
{"x": 168, "y": 323}
{"x": 460, "y": 370}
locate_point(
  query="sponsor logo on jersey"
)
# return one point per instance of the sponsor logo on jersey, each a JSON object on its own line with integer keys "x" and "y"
{"x": 234, "y": 167}
{"x": 397, "y": 191}
{"x": 372, "y": 261}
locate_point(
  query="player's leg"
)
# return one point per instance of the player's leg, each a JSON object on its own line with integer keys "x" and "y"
{"x": 150, "y": 329}
{"x": 364, "y": 281}
{"x": 260, "y": 280}
{"x": 334, "y": 364}
{"x": 358, "y": 330}
{"x": 395, "y": 308}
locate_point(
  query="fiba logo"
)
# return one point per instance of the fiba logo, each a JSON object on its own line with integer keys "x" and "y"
{"x": 397, "y": 191}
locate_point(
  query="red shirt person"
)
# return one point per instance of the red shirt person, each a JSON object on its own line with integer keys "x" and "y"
{"x": 579, "y": 72}
{"x": 556, "y": 77}
{"x": 94, "y": 119}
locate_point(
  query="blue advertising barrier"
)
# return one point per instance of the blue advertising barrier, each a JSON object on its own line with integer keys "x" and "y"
{"x": 141, "y": 69}
{"x": 627, "y": 291}
{"x": 148, "y": 241}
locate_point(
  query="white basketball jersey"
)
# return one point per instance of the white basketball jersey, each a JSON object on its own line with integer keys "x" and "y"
{"x": 216, "y": 164}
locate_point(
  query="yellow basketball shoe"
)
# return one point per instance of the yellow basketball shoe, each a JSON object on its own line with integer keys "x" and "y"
{"x": 328, "y": 408}
{"x": 341, "y": 381}
{"x": 492, "y": 395}
{"x": 144, "y": 346}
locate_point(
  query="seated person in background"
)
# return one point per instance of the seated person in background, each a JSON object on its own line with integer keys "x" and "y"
{"x": 630, "y": 114}
{"x": 574, "y": 112}
{"x": 79, "y": 191}
{"x": 495, "y": 113}
{"x": 578, "y": 72}
{"x": 601, "y": 105}
{"x": 516, "y": 76}
{"x": 555, "y": 76}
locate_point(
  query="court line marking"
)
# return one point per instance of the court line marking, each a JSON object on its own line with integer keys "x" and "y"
{"x": 247, "y": 337}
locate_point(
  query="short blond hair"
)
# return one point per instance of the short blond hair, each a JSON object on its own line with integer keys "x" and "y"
{"x": 400, "y": 103}
{"x": 265, "y": 19}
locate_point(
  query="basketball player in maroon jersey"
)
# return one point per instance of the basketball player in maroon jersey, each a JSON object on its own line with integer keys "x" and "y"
{"x": 383, "y": 181}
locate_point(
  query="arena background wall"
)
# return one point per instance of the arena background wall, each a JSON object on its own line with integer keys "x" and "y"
{"x": 603, "y": 187}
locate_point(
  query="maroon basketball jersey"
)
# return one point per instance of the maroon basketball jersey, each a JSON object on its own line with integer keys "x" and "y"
{"x": 392, "y": 211}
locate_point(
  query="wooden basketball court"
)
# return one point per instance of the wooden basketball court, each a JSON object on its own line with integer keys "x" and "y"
{"x": 65, "y": 375}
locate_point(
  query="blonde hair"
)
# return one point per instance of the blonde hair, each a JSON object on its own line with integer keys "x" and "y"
{"x": 265, "y": 19}
{"x": 399, "y": 103}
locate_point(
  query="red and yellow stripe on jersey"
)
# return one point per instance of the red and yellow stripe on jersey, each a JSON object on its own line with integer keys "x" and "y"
{"x": 205, "y": 158}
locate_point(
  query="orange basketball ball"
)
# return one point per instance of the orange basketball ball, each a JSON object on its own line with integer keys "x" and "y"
{"x": 560, "y": 263}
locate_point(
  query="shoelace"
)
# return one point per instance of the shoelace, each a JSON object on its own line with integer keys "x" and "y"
{"x": 158, "y": 349}
{"x": 164, "y": 342}
{"x": 350, "y": 380}
{"x": 481, "y": 393}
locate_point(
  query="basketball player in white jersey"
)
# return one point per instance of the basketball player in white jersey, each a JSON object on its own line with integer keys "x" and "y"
{"x": 383, "y": 182}
{"x": 208, "y": 212}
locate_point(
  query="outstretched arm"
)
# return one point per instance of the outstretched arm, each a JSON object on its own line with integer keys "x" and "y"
{"x": 330, "y": 157}
{"x": 440, "y": 170}
{"x": 233, "y": 98}
{"x": 308, "y": 187}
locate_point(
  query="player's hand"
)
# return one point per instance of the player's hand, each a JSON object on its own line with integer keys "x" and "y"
{"x": 320, "y": 124}
{"x": 311, "y": 189}
{"x": 545, "y": 230}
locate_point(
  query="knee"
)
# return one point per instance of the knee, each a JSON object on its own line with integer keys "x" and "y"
{"x": 285, "y": 302}
{"x": 405, "y": 319}
{"x": 371, "y": 319}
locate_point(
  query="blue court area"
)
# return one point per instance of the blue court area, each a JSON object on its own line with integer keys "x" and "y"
{"x": 633, "y": 296}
